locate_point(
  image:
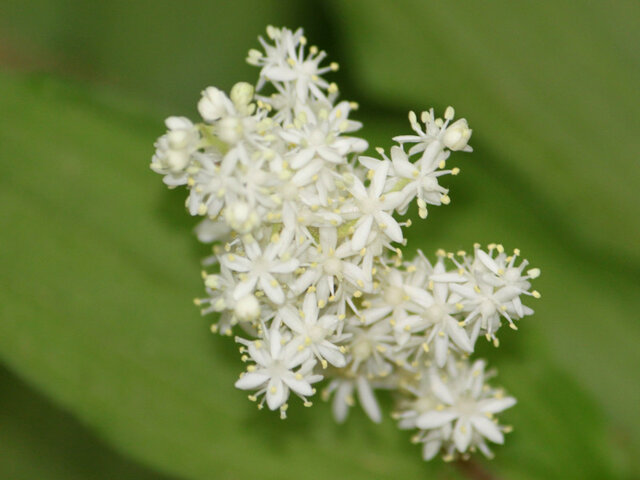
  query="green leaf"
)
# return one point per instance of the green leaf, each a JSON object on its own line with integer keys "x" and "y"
{"x": 550, "y": 86}
{"x": 37, "y": 440}
{"x": 165, "y": 53}
{"x": 99, "y": 266}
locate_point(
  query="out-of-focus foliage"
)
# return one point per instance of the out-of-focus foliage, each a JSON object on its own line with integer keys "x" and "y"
{"x": 38, "y": 441}
{"x": 98, "y": 264}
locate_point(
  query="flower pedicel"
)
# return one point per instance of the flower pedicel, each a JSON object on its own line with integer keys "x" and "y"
{"x": 307, "y": 266}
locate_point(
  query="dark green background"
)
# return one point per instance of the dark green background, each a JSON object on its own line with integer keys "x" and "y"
{"x": 110, "y": 372}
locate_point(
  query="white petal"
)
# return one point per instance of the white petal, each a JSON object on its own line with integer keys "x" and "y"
{"x": 439, "y": 388}
{"x": 280, "y": 74}
{"x": 431, "y": 449}
{"x": 245, "y": 288}
{"x": 178, "y": 123}
{"x": 487, "y": 428}
{"x": 368, "y": 400}
{"x": 340, "y": 406}
{"x": 301, "y": 387}
{"x": 332, "y": 355}
{"x": 310, "y": 308}
{"x": 379, "y": 178}
{"x": 330, "y": 155}
{"x": 271, "y": 288}
{"x": 391, "y": 227}
{"x": 291, "y": 319}
{"x": 357, "y": 189}
{"x": 305, "y": 280}
{"x": 462, "y": 434}
{"x": 517, "y": 305}
{"x": 441, "y": 343}
{"x": 419, "y": 296}
{"x": 401, "y": 164}
{"x": 276, "y": 394}
{"x": 303, "y": 157}
{"x": 275, "y": 343}
{"x": 369, "y": 162}
{"x": 459, "y": 335}
{"x": 495, "y": 405}
{"x": 236, "y": 263}
{"x": 361, "y": 235}
{"x": 285, "y": 267}
{"x": 251, "y": 380}
{"x": 353, "y": 273}
{"x": 434, "y": 419}
{"x": 447, "y": 277}
{"x": 305, "y": 174}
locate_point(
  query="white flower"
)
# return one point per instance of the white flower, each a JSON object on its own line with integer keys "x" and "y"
{"x": 373, "y": 209}
{"x": 330, "y": 264}
{"x": 493, "y": 290}
{"x": 273, "y": 373}
{"x": 466, "y": 405}
{"x": 286, "y": 61}
{"x": 314, "y": 332}
{"x": 420, "y": 180}
{"x": 435, "y": 316}
{"x": 259, "y": 267}
{"x": 436, "y": 131}
{"x": 321, "y": 136}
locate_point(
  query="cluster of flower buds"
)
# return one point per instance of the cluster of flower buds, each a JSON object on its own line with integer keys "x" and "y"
{"x": 307, "y": 267}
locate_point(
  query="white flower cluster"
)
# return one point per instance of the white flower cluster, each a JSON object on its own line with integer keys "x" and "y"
{"x": 307, "y": 264}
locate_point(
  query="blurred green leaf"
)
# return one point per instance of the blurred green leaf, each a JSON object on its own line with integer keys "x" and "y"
{"x": 38, "y": 441}
{"x": 164, "y": 51}
{"x": 99, "y": 266}
{"x": 551, "y": 86}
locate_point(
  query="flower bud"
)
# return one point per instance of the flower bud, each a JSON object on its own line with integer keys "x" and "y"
{"x": 241, "y": 96}
{"x": 247, "y": 308}
{"x": 213, "y": 104}
{"x": 457, "y": 135}
{"x": 241, "y": 217}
